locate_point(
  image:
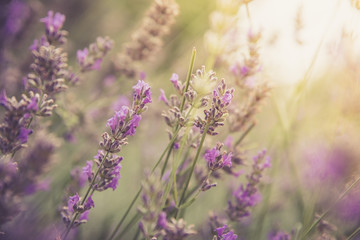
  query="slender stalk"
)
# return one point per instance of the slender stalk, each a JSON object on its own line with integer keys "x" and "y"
{"x": 168, "y": 149}
{"x": 86, "y": 195}
{"x": 166, "y": 161}
{"x": 137, "y": 234}
{"x": 244, "y": 134}
{"x": 188, "y": 77}
{"x": 188, "y": 203}
{"x": 307, "y": 232}
{"x": 139, "y": 191}
{"x": 354, "y": 234}
{"x": 131, "y": 223}
{"x": 125, "y": 215}
{"x": 194, "y": 163}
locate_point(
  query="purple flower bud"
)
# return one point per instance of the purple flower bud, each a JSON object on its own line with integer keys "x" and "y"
{"x": 119, "y": 116}
{"x": 82, "y": 55}
{"x": 73, "y": 200}
{"x": 228, "y": 96}
{"x": 89, "y": 203}
{"x": 175, "y": 80}
{"x": 115, "y": 181}
{"x": 142, "y": 88}
{"x": 84, "y": 216}
{"x": 53, "y": 21}
{"x": 87, "y": 169}
{"x": 220, "y": 231}
{"x": 33, "y": 105}
{"x": 162, "y": 222}
{"x": 134, "y": 123}
{"x": 163, "y": 97}
{"x": 227, "y": 159}
{"x": 24, "y": 134}
{"x": 211, "y": 155}
{"x": 3, "y": 98}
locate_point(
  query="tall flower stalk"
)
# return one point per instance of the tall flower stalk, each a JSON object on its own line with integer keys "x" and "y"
{"x": 107, "y": 173}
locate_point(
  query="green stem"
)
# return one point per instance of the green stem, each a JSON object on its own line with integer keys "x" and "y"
{"x": 188, "y": 77}
{"x": 188, "y": 203}
{"x": 244, "y": 134}
{"x": 137, "y": 234}
{"x": 86, "y": 195}
{"x": 167, "y": 149}
{"x": 166, "y": 161}
{"x": 130, "y": 224}
{"x": 330, "y": 208}
{"x": 125, "y": 215}
{"x": 194, "y": 163}
{"x": 139, "y": 191}
{"x": 354, "y": 234}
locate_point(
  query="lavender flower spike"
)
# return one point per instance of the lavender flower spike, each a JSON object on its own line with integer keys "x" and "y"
{"x": 54, "y": 23}
{"x": 215, "y": 159}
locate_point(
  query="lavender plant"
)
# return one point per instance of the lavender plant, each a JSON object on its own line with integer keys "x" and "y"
{"x": 107, "y": 174}
{"x": 199, "y": 181}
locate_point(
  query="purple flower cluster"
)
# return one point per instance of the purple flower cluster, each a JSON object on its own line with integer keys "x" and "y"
{"x": 215, "y": 116}
{"x": 107, "y": 174}
{"x": 279, "y": 236}
{"x": 20, "y": 179}
{"x": 248, "y": 196}
{"x": 50, "y": 75}
{"x": 75, "y": 205}
{"x": 222, "y": 234}
{"x": 14, "y": 131}
{"x": 53, "y": 25}
{"x": 215, "y": 159}
{"x": 91, "y": 58}
{"x": 122, "y": 125}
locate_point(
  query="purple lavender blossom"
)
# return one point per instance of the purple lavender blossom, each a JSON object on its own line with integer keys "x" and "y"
{"x": 221, "y": 235}
{"x": 87, "y": 169}
{"x": 89, "y": 203}
{"x": 91, "y": 58}
{"x": 82, "y": 55}
{"x": 248, "y": 196}
{"x": 215, "y": 116}
{"x": 115, "y": 181}
{"x": 175, "y": 81}
{"x": 142, "y": 91}
{"x": 33, "y": 106}
{"x": 4, "y": 99}
{"x": 162, "y": 97}
{"x": 133, "y": 124}
{"x": 84, "y": 216}
{"x": 117, "y": 121}
{"x": 73, "y": 200}
{"x": 24, "y": 134}
{"x": 216, "y": 160}
{"x": 53, "y": 22}
{"x": 279, "y": 236}
{"x": 162, "y": 221}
